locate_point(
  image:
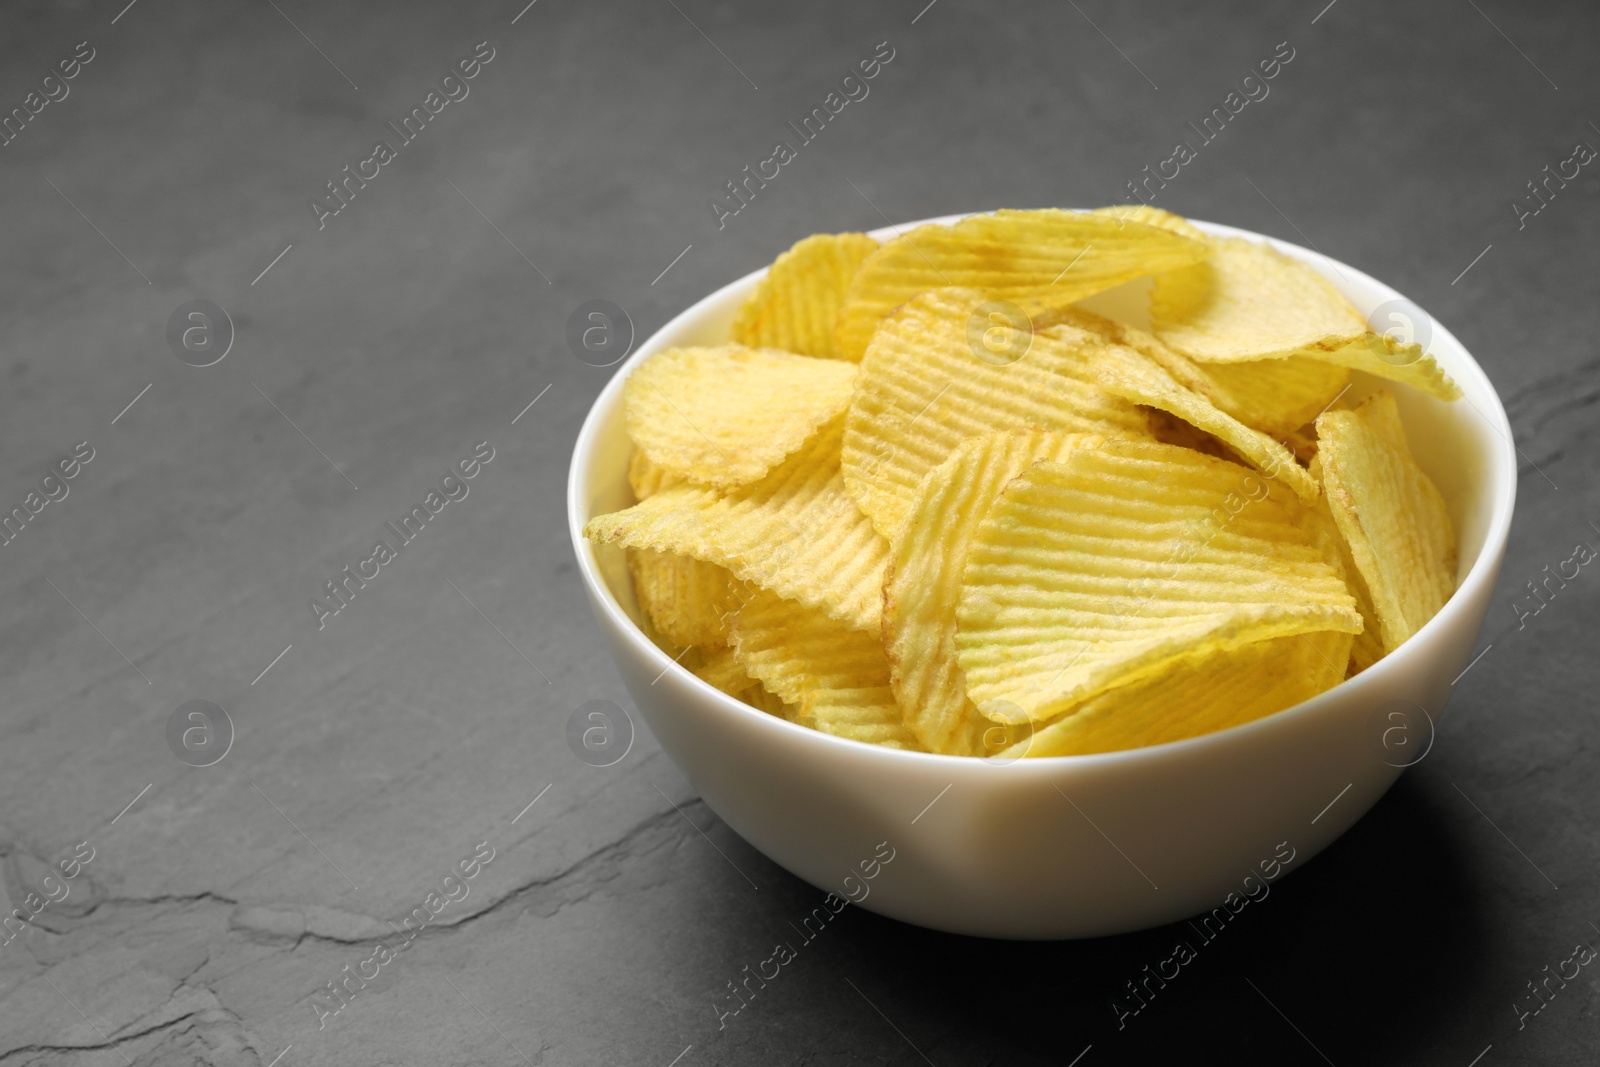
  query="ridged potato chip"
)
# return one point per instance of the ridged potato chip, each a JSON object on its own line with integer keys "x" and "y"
{"x": 687, "y": 600}
{"x": 1368, "y": 646}
{"x": 796, "y": 305}
{"x": 1153, "y": 216}
{"x": 867, "y": 713}
{"x": 923, "y": 585}
{"x": 922, "y": 391}
{"x": 1171, "y": 430}
{"x": 1060, "y": 255}
{"x": 1140, "y": 379}
{"x": 795, "y": 532}
{"x": 718, "y": 667}
{"x": 838, "y": 678}
{"x": 1275, "y": 396}
{"x": 725, "y": 416}
{"x": 646, "y": 477}
{"x": 1188, "y": 698}
{"x": 1106, "y": 567}
{"x": 1303, "y": 443}
{"x": 1248, "y": 301}
{"x": 761, "y": 698}
{"x": 1390, "y": 515}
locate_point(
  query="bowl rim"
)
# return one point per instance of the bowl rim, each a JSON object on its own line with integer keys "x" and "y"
{"x": 1482, "y": 572}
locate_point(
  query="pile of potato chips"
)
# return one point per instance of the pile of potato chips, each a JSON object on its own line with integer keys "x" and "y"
{"x": 923, "y": 499}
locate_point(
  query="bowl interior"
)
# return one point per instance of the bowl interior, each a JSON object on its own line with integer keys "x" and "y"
{"x": 1465, "y": 446}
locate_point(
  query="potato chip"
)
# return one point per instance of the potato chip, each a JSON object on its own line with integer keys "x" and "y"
{"x": 794, "y": 650}
{"x": 1275, "y": 396}
{"x": 1140, "y": 379}
{"x": 838, "y": 678}
{"x": 1303, "y": 443}
{"x": 1153, "y": 216}
{"x": 646, "y": 477}
{"x": 1381, "y": 414}
{"x": 795, "y": 532}
{"x": 796, "y": 305}
{"x": 1191, "y": 697}
{"x": 1106, "y": 567}
{"x": 1368, "y": 647}
{"x": 686, "y": 599}
{"x": 1061, "y": 255}
{"x": 1390, "y": 515}
{"x": 1171, "y": 430}
{"x": 1184, "y": 370}
{"x": 1248, "y": 301}
{"x": 868, "y": 714}
{"x": 924, "y": 584}
{"x": 720, "y": 669}
{"x": 922, "y": 390}
{"x": 761, "y": 698}
{"x": 725, "y": 416}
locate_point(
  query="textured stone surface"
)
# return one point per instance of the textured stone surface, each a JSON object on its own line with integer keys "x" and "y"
{"x": 380, "y": 751}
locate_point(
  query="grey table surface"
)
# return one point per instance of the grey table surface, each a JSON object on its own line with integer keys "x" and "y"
{"x": 369, "y": 756}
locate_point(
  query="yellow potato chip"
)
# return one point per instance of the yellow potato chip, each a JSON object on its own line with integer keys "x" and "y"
{"x": 1390, "y": 515}
{"x": 1104, "y": 568}
{"x": 1248, "y": 301}
{"x": 1171, "y": 430}
{"x": 868, "y": 714}
{"x": 1380, "y": 413}
{"x": 718, "y": 667}
{"x": 1140, "y": 379}
{"x": 686, "y": 599}
{"x": 1304, "y": 447}
{"x": 1276, "y": 396}
{"x": 796, "y": 305}
{"x": 1060, "y": 255}
{"x": 924, "y": 584}
{"x": 795, "y": 532}
{"x": 1195, "y": 696}
{"x": 838, "y": 678}
{"x": 1368, "y": 646}
{"x": 646, "y": 478}
{"x": 758, "y": 696}
{"x": 922, "y": 390}
{"x": 725, "y": 416}
{"x": 1153, "y": 216}
{"x": 795, "y": 651}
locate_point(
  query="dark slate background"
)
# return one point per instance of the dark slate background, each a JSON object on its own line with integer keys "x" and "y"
{"x": 379, "y": 751}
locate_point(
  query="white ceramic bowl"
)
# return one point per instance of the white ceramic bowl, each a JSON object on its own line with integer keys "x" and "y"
{"x": 1070, "y": 846}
